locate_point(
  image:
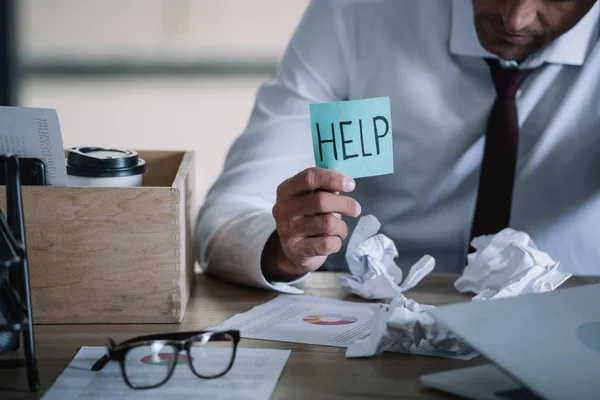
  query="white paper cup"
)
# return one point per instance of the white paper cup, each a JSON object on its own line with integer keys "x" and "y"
{"x": 100, "y": 167}
{"x": 119, "y": 181}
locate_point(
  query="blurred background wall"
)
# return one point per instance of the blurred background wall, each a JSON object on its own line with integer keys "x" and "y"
{"x": 151, "y": 74}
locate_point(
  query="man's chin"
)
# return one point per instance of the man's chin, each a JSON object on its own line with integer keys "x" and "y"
{"x": 506, "y": 51}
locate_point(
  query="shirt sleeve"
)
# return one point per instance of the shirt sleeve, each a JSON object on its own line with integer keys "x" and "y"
{"x": 236, "y": 220}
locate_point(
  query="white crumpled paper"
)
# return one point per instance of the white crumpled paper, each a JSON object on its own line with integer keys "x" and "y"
{"x": 406, "y": 326}
{"x": 370, "y": 257}
{"x": 508, "y": 264}
{"x": 504, "y": 265}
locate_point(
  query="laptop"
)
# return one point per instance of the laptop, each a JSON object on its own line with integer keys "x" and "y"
{"x": 541, "y": 346}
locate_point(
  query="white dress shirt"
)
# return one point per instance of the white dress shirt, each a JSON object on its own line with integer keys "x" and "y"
{"x": 426, "y": 57}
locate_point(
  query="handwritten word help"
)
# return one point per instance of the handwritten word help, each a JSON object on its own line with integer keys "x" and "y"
{"x": 354, "y": 137}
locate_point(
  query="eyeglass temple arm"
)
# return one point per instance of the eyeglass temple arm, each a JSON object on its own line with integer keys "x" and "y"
{"x": 101, "y": 363}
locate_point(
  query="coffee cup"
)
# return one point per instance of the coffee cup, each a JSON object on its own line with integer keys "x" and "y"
{"x": 104, "y": 167}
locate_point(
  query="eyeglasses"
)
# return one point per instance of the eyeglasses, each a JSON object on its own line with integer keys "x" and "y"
{"x": 149, "y": 361}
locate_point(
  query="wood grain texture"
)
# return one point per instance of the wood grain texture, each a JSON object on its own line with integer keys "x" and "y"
{"x": 316, "y": 372}
{"x": 111, "y": 255}
{"x": 163, "y": 167}
{"x": 183, "y": 192}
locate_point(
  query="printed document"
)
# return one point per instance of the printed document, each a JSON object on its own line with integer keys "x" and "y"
{"x": 305, "y": 319}
{"x": 253, "y": 375}
{"x": 313, "y": 320}
{"x": 35, "y": 133}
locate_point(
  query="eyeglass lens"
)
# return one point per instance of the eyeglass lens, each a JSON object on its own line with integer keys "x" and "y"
{"x": 149, "y": 366}
{"x": 212, "y": 354}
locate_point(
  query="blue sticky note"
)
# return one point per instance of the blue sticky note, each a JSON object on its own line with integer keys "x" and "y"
{"x": 353, "y": 137}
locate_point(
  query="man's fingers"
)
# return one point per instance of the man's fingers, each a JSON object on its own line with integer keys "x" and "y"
{"x": 313, "y": 179}
{"x": 324, "y": 224}
{"x": 308, "y": 214}
{"x": 321, "y": 203}
{"x": 310, "y": 247}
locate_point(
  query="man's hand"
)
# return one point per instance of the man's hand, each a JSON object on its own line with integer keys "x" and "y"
{"x": 309, "y": 226}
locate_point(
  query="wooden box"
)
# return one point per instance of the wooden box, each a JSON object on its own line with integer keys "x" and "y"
{"x": 114, "y": 255}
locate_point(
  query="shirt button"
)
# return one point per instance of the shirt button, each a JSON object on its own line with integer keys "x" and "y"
{"x": 519, "y": 93}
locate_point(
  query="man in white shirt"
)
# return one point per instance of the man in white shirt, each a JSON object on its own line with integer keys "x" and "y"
{"x": 272, "y": 217}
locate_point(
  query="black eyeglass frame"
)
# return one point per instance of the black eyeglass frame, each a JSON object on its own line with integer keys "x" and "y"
{"x": 180, "y": 341}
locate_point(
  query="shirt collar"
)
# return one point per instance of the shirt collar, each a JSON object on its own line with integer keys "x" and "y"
{"x": 571, "y": 48}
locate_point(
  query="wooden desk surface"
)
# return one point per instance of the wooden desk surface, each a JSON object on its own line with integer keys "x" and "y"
{"x": 311, "y": 372}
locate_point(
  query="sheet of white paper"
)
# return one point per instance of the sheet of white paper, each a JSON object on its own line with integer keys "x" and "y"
{"x": 304, "y": 319}
{"x": 535, "y": 279}
{"x": 312, "y": 320}
{"x": 35, "y": 132}
{"x": 373, "y": 271}
{"x": 406, "y": 326}
{"x": 253, "y": 376}
{"x": 508, "y": 264}
{"x": 366, "y": 227}
{"x": 418, "y": 272}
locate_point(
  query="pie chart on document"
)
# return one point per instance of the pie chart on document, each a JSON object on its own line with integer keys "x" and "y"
{"x": 329, "y": 319}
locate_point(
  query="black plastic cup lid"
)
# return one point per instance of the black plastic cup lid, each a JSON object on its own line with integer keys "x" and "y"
{"x": 98, "y": 162}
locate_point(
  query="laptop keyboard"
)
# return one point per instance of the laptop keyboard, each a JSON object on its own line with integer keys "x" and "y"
{"x": 517, "y": 394}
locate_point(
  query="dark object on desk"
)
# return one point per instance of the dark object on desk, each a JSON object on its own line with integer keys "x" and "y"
{"x": 31, "y": 171}
{"x": 15, "y": 296}
{"x": 209, "y": 354}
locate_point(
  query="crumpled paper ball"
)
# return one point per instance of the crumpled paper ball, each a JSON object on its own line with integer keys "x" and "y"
{"x": 406, "y": 326}
{"x": 373, "y": 272}
{"x": 503, "y": 265}
{"x": 508, "y": 264}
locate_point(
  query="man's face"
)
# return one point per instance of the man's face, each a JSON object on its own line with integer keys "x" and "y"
{"x": 514, "y": 29}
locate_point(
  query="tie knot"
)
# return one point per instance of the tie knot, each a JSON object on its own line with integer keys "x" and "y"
{"x": 506, "y": 80}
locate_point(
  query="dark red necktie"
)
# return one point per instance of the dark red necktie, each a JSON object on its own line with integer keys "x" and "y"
{"x": 496, "y": 180}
